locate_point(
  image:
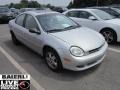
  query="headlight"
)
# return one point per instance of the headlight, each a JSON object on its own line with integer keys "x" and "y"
{"x": 76, "y": 51}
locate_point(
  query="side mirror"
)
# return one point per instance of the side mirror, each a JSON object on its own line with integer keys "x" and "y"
{"x": 34, "y": 30}
{"x": 92, "y": 18}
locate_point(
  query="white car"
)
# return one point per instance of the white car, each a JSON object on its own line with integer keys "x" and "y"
{"x": 98, "y": 20}
{"x": 63, "y": 42}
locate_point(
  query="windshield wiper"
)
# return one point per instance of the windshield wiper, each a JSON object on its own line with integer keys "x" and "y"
{"x": 59, "y": 30}
{"x": 72, "y": 27}
{"x": 54, "y": 30}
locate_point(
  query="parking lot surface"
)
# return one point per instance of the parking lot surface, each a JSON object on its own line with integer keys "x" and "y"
{"x": 106, "y": 76}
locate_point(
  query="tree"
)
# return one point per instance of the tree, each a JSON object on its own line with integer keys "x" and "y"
{"x": 104, "y": 2}
{"x": 25, "y": 4}
{"x": 24, "y": 1}
{"x": 50, "y": 6}
{"x": 70, "y": 5}
{"x": 115, "y": 1}
{"x": 11, "y": 5}
{"x": 89, "y": 3}
{"x": 18, "y": 6}
{"x": 34, "y": 4}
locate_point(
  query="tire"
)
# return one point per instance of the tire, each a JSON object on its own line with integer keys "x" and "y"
{"x": 52, "y": 60}
{"x": 14, "y": 39}
{"x": 110, "y": 36}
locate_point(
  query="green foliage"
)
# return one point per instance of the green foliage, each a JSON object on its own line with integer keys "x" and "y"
{"x": 50, "y": 6}
{"x": 34, "y": 4}
{"x": 89, "y": 3}
{"x": 70, "y": 5}
{"x": 24, "y": 1}
{"x": 25, "y": 4}
{"x": 11, "y": 5}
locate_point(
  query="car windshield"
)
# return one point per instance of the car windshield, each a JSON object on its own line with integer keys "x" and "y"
{"x": 117, "y": 10}
{"x": 3, "y": 9}
{"x": 103, "y": 15}
{"x": 111, "y": 11}
{"x": 117, "y": 7}
{"x": 56, "y": 22}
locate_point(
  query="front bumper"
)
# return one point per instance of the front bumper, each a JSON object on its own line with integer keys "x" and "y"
{"x": 85, "y": 62}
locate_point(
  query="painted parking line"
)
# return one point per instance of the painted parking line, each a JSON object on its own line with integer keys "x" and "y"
{"x": 21, "y": 69}
{"x": 114, "y": 50}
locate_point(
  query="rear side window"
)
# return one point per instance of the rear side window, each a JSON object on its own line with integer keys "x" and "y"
{"x": 73, "y": 14}
{"x": 30, "y": 23}
{"x": 20, "y": 19}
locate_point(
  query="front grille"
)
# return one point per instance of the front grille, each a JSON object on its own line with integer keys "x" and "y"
{"x": 95, "y": 50}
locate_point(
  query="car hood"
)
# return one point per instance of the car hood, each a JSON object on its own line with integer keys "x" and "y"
{"x": 114, "y": 21}
{"x": 84, "y": 38}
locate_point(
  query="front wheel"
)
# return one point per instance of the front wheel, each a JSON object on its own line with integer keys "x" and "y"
{"x": 110, "y": 36}
{"x": 52, "y": 60}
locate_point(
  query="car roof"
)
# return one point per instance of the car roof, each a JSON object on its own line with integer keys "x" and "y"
{"x": 98, "y": 7}
{"x": 85, "y": 9}
{"x": 39, "y": 12}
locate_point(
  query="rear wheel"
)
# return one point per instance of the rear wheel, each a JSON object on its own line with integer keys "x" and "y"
{"x": 110, "y": 36}
{"x": 14, "y": 39}
{"x": 52, "y": 60}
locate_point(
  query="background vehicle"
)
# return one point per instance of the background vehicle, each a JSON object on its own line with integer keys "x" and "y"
{"x": 98, "y": 20}
{"x": 118, "y": 7}
{"x": 43, "y": 8}
{"x": 5, "y": 14}
{"x": 60, "y": 9}
{"x": 33, "y": 9}
{"x": 112, "y": 11}
{"x": 51, "y": 35}
{"x": 14, "y": 11}
{"x": 26, "y": 9}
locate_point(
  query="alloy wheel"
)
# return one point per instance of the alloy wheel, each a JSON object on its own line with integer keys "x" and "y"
{"x": 51, "y": 60}
{"x": 109, "y": 36}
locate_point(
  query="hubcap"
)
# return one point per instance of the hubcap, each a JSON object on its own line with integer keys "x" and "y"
{"x": 51, "y": 60}
{"x": 108, "y": 36}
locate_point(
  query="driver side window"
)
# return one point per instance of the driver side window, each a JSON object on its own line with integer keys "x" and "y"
{"x": 85, "y": 15}
{"x": 73, "y": 14}
{"x": 30, "y": 23}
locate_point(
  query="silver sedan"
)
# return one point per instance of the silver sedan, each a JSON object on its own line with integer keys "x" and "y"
{"x": 62, "y": 42}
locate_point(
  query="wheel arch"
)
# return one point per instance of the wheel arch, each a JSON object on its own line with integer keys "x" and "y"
{"x": 49, "y": 47}
{"x": 60, "y": 64}
{"x": 11, "y": 32}
{"x": 108, "y": 28}
{"x": 56, "y": 51}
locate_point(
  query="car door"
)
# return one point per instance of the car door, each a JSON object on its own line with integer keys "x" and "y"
{"x": 33, "y": 40}
{"x": 18, "y": 27}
